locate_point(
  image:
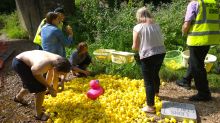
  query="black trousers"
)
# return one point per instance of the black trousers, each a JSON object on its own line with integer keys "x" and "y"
{"x": 150, "y": 69}
{"x": 197, "y": 69}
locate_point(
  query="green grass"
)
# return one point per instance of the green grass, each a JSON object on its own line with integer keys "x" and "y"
{"x": 12, "y": 27}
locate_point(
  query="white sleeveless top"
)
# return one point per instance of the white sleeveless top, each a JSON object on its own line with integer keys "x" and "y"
{"x": 151, "y": 40}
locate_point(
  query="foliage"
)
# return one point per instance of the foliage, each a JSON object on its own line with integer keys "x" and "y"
{"x": 215, "y": 50}
{"x": 12, "y": 26}
{"x": 105, "y": 27}
{"x": 170, "y": 17}
{"x": 214, "y": 81}
{"x": 111, "y": 28}
{"x": 2, "y": 18}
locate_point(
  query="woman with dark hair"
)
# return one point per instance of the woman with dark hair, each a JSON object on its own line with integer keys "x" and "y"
{"x": 80, "y": 60}
{"x": 53, "y": 39}
{"x": 31, "y": 66}
{"x": 62, "y": 26}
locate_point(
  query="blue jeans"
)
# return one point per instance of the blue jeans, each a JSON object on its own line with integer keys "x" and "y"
{"x": 150, "y": 69}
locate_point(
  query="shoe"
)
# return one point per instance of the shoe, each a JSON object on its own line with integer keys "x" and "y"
{"x": 184, "y": 83}
{"x": 42, "y": 117}
{"x": 21, "y": 101}
{"x": 198, "y": 97}
{"x": 148, "y": 110}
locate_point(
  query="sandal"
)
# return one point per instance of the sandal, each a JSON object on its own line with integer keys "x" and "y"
{"x": 148, "y": 109}
{"x": 22, "y": 101}
{"x": 42, "y": 117}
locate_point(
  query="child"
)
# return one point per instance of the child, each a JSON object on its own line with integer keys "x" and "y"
{"x": 80, "y": 60}
{"x": 147, "y": 39}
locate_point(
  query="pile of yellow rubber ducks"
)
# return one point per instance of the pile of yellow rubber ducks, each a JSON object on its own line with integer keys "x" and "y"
{"x": 121, "y": 102}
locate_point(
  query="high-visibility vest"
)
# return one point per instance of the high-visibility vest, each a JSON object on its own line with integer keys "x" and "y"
{"x": 37, "y": 38}
{"x": 205, "y": 30}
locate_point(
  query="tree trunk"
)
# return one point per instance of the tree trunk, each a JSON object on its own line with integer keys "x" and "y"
{"x": 31, "y": 12}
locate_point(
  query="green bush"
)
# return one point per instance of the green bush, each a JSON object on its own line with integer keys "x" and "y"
{"x": 104, "y": 27}
{"x": 170, "y": 17}
{"x": 12, "y": 26}
{"x": 2, "y": 22}
{"x": 113, "y": 27}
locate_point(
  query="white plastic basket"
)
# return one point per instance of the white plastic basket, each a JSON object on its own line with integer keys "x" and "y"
{"x": 103, "y": 54}
{"x": 209, "y": 60}
{"x": 120, "y": 57}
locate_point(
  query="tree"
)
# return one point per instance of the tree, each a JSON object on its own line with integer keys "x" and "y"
{"x": 31, "y": 12}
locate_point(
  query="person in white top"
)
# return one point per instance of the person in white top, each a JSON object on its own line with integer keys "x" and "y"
{"x": 148, "y": 41}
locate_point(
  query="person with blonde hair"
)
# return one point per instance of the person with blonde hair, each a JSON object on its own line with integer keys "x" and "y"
{"x": 148, "y": 41}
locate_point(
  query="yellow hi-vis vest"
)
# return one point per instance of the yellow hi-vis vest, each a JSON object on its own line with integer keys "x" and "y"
{"x": 205, "y": 30}
{"x": 37, "y": 38}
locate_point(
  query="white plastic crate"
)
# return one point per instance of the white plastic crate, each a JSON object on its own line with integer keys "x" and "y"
{"x": 103, "y": 54}
{"x": 209, "y": 60}
{"x": 120, "y": 57}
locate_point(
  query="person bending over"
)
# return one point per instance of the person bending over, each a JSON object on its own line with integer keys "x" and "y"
{"x": 31, "y": 66}
{"x": 80, "y": 60}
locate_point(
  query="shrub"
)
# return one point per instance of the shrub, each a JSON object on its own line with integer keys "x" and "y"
{"x": 170, "y": 17}
{"x": 105, "y": 27}
{"x": 13, "y": 28}
{"x": 2, "y": 21}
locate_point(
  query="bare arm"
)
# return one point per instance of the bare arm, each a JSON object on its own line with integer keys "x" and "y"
{"x": 49, "y": 76}
{"x": 135, "y": 45}
{"x": 80, "y": 70}
{"x": 185, "y": 27}
{"x": 55, "y": 80}
{"x": 38, "y": 72}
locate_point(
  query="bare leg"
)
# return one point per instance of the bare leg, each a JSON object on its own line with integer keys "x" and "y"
{"x": 22, "y": 93}
{"x": 39, "y": 98}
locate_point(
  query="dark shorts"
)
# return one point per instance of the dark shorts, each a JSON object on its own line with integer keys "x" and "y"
{"x": 28, "y": 80}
